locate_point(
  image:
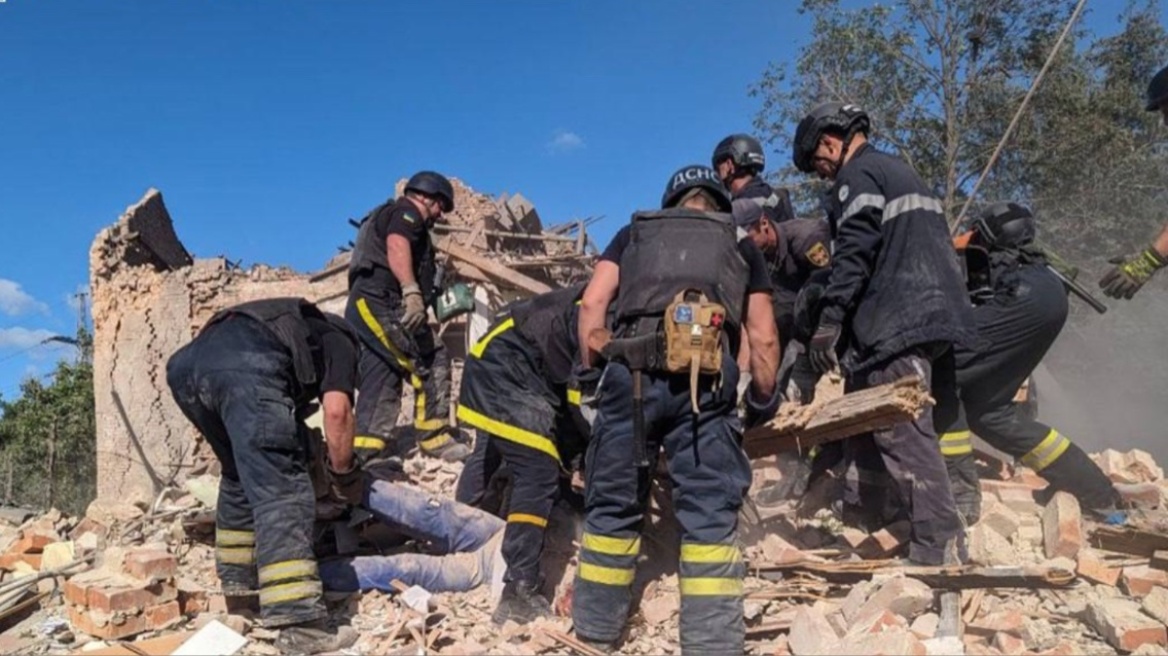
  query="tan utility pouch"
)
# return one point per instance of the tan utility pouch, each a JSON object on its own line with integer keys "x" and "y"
{"x": 693, "y": 338}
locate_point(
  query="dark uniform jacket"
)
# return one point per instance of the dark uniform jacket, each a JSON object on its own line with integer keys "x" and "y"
{"x": 895, "y": 280}
{"x": 803, "y": 248}
{"x": 369, "y": 273}
{"x": 776, "y": 203}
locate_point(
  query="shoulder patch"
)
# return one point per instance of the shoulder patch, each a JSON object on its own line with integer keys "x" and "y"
{"x": 818, "y": 255}
{"x": 843, "y": 193}
{"x": 409, "y": 218}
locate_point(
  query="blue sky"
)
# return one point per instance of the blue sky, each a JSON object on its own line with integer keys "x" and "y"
{"x": 267, "y": 124}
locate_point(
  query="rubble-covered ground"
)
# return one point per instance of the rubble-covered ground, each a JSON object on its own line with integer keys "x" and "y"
{"x": 127, "y": 579}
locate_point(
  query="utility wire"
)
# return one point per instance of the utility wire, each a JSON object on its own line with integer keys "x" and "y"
{"x": 1018, "y": 114}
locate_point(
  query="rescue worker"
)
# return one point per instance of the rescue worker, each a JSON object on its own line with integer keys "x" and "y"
{"x": 518, "y": 392}
{"x": 739, "y": 160}
{"x": 896, "y": 303}
{"x": 246, "y": 382}
{"x": 391, "y": 285}
{"x": 685, "y": 286}
{"x": 1020, "y": 306}
{"x": 1131, "y": 272}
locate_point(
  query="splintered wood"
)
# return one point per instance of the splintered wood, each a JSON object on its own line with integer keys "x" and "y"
{"x": 838, "y": 418}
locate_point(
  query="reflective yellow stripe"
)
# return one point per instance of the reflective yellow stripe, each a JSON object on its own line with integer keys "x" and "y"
{"x": 574, "y": 397}
{"x": 436, "y": 442}
{"x": 957, "y": 443}
{"x": 375, "y": 326}
{"x": 368, "y": 442}
{"x": 225, "y": 537}
{"x": 611, "y": 546}
{"x": 508, "y": 432}
{"x": 288, "y": 569}
{"x": 711, "y": 587}
{"x": 1047, "y": 451}
{"x": 290, "y": 592}
{"x": 235, "y": 555}
{"x": 481, "y": 345}
{"x": 605, "y": 575}
{"x": 524, "y": 518}
{"x": 710, "y": 553}
{"x": 420, "y": 421}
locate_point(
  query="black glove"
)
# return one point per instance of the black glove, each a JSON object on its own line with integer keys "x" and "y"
{"x": 348, "y": 485}
{"x": 415, "y": 310}
{"x": 1131, "y": 272}
{"x": 822, "y": 347}
{"x": 760, "y": 413}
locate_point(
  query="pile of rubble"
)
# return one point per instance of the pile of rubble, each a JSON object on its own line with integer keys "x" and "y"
{"x": 1044, "y": 579}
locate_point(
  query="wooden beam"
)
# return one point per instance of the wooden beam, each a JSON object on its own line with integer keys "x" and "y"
{"x": 494, "y": 269}
{"x": 851, "y": 414}
{"x": 1129, "y": 540}
{"x": 958, "y": 577}
{"x": 504, "y": 234}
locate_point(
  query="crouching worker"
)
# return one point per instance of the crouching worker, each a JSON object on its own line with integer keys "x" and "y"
{"x": 246, "y": 382}
{"x": 518, "y": 391}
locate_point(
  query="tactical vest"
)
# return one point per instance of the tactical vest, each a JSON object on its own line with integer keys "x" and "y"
{"x": 549, "y": 322}
{"x": 369, "y": 254}
{"x": 677, "y": 249}
{"x": 285, "y": 318}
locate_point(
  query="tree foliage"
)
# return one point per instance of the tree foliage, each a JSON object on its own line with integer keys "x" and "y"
{"x": 47, "y": 438}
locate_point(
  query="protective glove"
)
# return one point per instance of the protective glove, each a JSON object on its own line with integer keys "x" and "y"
{"x": 822, "y": 347}
{"x": 761, "y": 412}
{"x": 1131, "y": 272}
{"x": 587, "y": 381}
{"x": 415, "y": 314}
{"x": 348, "y": 485}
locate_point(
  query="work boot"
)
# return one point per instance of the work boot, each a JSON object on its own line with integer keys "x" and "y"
{"x": 452, "y": 449}
{"x": 521, "y": 602}
{"x": 315, "y": 638}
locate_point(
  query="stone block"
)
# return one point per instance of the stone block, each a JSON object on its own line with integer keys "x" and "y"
{"x": 1092, "y": 567}
{"x": 903, "y": 596}
{"x": 925, "y": 626}
{"x": 150, "y": 565}
{"x": 1002, "y": 520}
{"x": 811, "y": 634}
{"x": 1155, "y": 603}
{"x": 1121, "y": 623}
{"x": 1062, "y": 526}
{"x": 987, "y": 547}
{"x": 1138, "y": 581}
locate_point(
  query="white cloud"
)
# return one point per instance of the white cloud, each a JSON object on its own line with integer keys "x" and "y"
{"x": 563, "y": 141}
{"x": 15, "y": 301}
{"x": 22, "y": 338}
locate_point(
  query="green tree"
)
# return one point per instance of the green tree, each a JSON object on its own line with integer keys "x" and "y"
{"x": 47, "y": 438}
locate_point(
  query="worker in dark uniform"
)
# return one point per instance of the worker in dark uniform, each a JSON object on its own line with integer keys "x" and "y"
{"x": 1020, "y": 307}
{"x": 246, "y": 382}
{"x": 685, "y": 286}
{"x": 1131, "y": 272}
{"x": 739, "y": 160}
{"x": 518, "y": 392}
{"x": 391, "y": 285}
{"x": 897, "y": 303}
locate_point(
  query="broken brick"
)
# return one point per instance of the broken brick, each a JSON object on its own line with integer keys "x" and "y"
{"x": 853, "y": 538}
{"x": 33, "y": 542}
{"x": 129, "y": 599}
{"x": 1002, "y": 520}
{"x": 150, "y": 565}
{"x": 1006, "y": 621}
{"x": 1019, "y": 497}
{"x": 1139, "y": 580}
{"x": 1142, "y": 466}
{"x": 1009, "y": 644}
{"x": 87, "y": 526}
{"x": 1155, "y": 603}
{"x": 925, "y": 626}
{"x": 105, "y": 627}
{"x": 987, "y": 547}
{"x": 1114, "y": 466}
{"x": 1140, "y": 495}
{"x": 892, "y": 642}
{"x": 903, "y": 596}
{"x": 192, "y": 598}
{"x": 1122, "y": 624}
{"x": 887, "y": 541}
{"x": 1062, "y": 527}
{"x": 9, "y": 560}
{"x": 811, "y": 633}
{"x": 163, "y": 615}
{"x": 876, "y": 622}
{"x": 1092, "y": 567}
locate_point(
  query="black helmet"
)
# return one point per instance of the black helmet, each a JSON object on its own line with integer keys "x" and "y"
{"x": 1005, "y": 225}
{"x": 742, "y": 149}
{"x": 1158, "y": 90}
{"x": 692, "y": 177}
{"x": 433, "y": 184}
{"x": 840, "y": 117}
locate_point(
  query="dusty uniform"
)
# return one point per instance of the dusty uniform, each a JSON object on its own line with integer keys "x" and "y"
{"x": 775, "y": 203}
{"x": 896, "y": 290}
{"x": 393, "y": 356}
{"x": 245, "y": 382}
{"x": 709, "y": 471}
{"x": 1018, "y": 324}
{"x": 516, "y": 391}
{"x": 803, "y": 248}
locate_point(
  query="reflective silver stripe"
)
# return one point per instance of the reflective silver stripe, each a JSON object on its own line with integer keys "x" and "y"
{"x": 911, "y": 203}
{"x": 861, "y": 203}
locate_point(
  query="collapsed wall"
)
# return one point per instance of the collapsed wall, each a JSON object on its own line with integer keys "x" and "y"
{"x": 150, "y": 297}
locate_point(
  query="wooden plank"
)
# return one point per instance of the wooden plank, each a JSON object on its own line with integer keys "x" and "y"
{"x": 1159, "y": 560}
{"x": 1133, "y": 541}
{"x": 572, "y": 643}
{"x": 504, "y": 234}
{"x": 942, "y": 577}
{"x": 494, "y": 269}
{"x": 851, "y": 414}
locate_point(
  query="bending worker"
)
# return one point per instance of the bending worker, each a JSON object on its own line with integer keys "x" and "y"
{"x": 517, "y": 391}
{"x": 1020, "y": 307}
{"x": 246, "y": 382}
{"x": 685, "y": 287}
{"x": 391, "y": 285}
